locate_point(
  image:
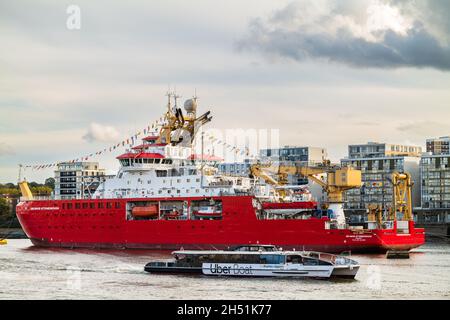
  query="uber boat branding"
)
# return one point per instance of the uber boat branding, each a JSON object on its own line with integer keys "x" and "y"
{"x": 227, "y": 269}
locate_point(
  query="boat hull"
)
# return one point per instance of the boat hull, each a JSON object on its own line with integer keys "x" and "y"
{"x": 52, "y": 224}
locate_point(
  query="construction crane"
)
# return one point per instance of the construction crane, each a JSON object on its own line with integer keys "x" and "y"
{"x": 338, "y": 180}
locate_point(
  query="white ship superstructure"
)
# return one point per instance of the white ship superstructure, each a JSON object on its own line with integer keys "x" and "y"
{"x": 165, "y": 164}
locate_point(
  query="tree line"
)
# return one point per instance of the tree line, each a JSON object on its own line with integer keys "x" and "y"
{"x": 10, "y": 194}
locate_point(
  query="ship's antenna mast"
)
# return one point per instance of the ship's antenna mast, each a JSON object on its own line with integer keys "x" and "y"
{"x": 175, "y": 97}
{"x": 202, "y": 163}
{"x": 169, "y": 95}
{"x": 20, "y": 173}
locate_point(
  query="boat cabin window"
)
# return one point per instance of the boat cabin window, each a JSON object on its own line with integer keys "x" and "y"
{"x": 314, "y": 262}
{"x": 157, "y": 160}
{"x": 294, "y": 259}
{"x": 272, "y": 258}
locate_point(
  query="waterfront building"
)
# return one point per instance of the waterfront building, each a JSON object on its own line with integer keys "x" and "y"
{"x": 77, "y": 180}
{"x": 439, "y": 146}
{"x": 377, "y": 162}
{"x": 240, "y": 169}
{"x": 294, "y": 154}
{"x": 376, "y": 149}
{"x": 435, "y": 181}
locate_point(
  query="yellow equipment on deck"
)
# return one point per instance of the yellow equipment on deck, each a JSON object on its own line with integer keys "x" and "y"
{"x": 25, "y": 190}
{"x": 177, "y": 125}
{"x": 337, "y": 181}
{"x": 3, "y": 241}
{"x": 402, "y": 197}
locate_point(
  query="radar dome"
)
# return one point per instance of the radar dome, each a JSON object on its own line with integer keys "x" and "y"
{"x": 190, "y": 105}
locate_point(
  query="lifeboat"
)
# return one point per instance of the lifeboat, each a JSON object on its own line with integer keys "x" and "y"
{"x": 208, "y": 212}
{"x": 147, "y": 211}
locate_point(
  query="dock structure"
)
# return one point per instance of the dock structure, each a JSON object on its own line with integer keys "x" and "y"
{"x": 397, "y": 254}
{"x": 435, "y": 221}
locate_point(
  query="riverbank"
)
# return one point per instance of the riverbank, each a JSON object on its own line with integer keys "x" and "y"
{"x": 12, "y": 233}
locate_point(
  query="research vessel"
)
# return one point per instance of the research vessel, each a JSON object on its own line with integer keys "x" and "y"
{"x": 169, "y": 195}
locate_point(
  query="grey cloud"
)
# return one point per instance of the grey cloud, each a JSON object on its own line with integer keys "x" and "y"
{"x": 424, "y": 128}
{"x": 418, "y": 48}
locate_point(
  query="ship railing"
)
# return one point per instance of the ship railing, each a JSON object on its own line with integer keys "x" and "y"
{"x": 37, "y": 198}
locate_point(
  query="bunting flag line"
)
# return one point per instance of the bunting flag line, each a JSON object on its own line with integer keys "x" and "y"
{"x": 236, "y": 150}
{"x": 123, "y": 143}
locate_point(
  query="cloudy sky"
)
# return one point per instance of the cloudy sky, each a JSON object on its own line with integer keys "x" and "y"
{"x": 326, "y": 73}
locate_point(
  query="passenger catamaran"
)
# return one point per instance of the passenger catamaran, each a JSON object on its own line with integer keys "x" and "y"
{"x": 164, "y": 196}
{"x": 258, "y": 261}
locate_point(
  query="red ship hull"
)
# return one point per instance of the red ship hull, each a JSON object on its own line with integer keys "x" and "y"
{"x": 51, "y": 223}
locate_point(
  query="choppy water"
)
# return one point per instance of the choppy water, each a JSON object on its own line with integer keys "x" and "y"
{"x": 27, "y": 272}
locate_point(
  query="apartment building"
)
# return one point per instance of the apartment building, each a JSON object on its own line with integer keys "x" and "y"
{"x": 77, "y": 180}
{"x": 377, "y": 162}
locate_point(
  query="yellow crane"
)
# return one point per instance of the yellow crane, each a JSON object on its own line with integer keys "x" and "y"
{"x": 401, "y": 201}
{"x": 402, "y": 195}
{"x": 338, "y": 180}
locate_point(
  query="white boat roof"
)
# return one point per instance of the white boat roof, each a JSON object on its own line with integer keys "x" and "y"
{"x": 278, "y": 252}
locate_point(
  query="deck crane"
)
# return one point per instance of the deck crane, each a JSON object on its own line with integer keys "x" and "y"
{"x": 338, "y": 180}
{"x": 179, "y": 127}
{"x": 402, "y": 196}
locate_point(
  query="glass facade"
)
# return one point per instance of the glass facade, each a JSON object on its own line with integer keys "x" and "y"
{"x": 376, "y": 181}
{"x": 435, "y": 182}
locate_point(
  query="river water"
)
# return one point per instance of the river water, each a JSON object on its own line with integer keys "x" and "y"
{"x": 28, "y": 272}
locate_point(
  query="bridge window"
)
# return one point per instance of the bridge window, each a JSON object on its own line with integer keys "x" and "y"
{"x": 161, "y": 173}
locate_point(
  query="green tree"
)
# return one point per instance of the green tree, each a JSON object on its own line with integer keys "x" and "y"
{"x": 5, "y": 209}
{"x": 50, "y": 182}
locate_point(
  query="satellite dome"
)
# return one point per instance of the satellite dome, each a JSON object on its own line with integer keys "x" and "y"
{"x": 190, "y": 105}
